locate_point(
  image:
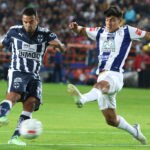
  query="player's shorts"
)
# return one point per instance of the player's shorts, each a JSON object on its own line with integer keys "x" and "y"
{"x": 25, "y": 84}
{"x": 115, "y": 80}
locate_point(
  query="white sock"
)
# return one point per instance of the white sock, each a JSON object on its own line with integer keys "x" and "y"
{"x": 123, "y": 124}
{"x": 26, "y": 113}
{"x": 92, "y": 95}
{"x": 7, "y": 101}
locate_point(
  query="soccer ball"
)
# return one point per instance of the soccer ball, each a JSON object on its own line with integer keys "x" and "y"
{"x": 30, "y": 128}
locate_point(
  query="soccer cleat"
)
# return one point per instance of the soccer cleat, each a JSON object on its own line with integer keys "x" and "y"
{"x": 73, "y": 91}
{"x": 3, "y": 121}
{"x": 16, "y": 141}
{"x": 140, "y": 137}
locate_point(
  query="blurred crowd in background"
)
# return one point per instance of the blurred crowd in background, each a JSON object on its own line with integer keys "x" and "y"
{"x": 78, "y": 64}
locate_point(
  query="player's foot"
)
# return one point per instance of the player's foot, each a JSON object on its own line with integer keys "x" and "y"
{"x": 16, "y": 141}
{"x": 3, "y": 121}
{"x": 73, "y": 91}
{"x": 140, "y": 137}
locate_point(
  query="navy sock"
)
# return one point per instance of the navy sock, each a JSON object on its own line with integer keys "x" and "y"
{"x": 21, "y": 119}
{"x": 4, "y": 109}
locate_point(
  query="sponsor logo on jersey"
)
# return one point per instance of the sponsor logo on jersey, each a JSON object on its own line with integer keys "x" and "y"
{"x": 138, "y": 32}
{"x": 29, "y": 55}
{"x": 108, "y": 45}
{"x": 29, "y": 47}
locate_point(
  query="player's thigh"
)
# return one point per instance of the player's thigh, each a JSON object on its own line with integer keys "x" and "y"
{"x": 107, "y": 101}
{"x": 114, "y": 79}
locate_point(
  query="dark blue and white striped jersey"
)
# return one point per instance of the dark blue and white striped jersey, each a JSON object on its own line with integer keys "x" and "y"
{"x": 113, "y": 48}
{"x": 27, "y": 51}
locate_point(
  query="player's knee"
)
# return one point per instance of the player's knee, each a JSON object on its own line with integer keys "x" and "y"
{"x": 13, "y": 97}
{"x": 103, "y": 86}
{"x": 30, "y": 104}
{"x": 111, "y": 122}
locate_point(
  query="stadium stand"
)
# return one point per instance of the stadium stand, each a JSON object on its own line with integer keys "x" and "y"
{"x": 75, "y": 62}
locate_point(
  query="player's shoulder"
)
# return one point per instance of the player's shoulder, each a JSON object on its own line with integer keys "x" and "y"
{"x": 16, "y": 27}
{"x": 43, "y": 29}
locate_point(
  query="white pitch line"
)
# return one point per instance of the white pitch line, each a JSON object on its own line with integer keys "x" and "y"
{"x": 85, "y": 145}
{"x": 77, "y": 132}
{"x": 72, "y": 132}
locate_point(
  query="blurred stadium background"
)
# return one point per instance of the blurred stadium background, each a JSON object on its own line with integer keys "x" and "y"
{"x": 78, "y": 64}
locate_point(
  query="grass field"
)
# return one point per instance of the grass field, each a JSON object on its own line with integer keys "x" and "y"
{"x": 66, "y": 127}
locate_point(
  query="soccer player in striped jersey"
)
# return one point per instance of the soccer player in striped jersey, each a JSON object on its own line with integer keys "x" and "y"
{"x": 28, "y": 44}
{"x": 113, "y": 45}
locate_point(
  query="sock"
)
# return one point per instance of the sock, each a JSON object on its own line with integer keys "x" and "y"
{"x": 123, "y": 124}
{"x": 92, "y": 95}
{"x": 24, "y": 116}
{"x": 5, "y": 107}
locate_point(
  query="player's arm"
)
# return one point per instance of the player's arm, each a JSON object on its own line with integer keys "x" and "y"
{"x": 58, "y": 45}
{"x": 77, "y": 29}
{"x": 147, "y": 36}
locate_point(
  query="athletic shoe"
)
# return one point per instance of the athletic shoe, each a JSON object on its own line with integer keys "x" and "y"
{"x": 16, "y": 141}
{"x": 73, "y": 91}
{"x": 140, "y": 137}
{"x": 3, "y": 121}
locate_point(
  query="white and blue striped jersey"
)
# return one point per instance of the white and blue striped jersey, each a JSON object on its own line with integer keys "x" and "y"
{"x": 27, "y": 51}
{"x": 113, "y": 48}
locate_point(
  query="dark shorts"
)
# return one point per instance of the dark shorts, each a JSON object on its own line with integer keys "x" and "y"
{"x": 26, "y": 84}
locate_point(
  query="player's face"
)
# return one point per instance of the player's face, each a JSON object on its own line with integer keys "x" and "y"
{"x": 30, "y": 23}
{"x": 112, "y": 23}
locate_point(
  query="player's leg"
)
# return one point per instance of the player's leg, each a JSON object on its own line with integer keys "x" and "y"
{"x": 12, "y": 96}
{"x": 6, "y": 105}
{"x": 30, "y": 104}
{"x": 81, "y": 99}
{"x": 28, "y": 107}
{"x": 95, "y": 93}
{"x": 117, "y": 121}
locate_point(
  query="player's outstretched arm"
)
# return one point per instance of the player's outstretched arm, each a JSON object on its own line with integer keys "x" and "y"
{"x": 58, "y": 45}
{"x": 147, "y": 36}
{"x": 77, "y": 29}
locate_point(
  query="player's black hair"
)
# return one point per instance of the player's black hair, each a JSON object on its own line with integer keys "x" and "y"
{"x": 113, "y": 11}
{"x": 29, "y": 11}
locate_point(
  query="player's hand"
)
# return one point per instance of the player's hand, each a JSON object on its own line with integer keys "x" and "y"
{"x": 73, "y": 26}
{"x": 58, "y": 45}
{"x": 62, "y": 48}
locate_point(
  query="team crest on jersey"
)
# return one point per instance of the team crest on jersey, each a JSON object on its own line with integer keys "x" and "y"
{"x": 40, "y": 38}
{"x": 17, "y": 82}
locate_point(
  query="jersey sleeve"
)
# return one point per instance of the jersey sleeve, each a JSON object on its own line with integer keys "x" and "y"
{"x": 51, "y": 36}
{"x": 136, "y": 33}
{"x": 92, "y": 32}
{"x": 7, "y": 38}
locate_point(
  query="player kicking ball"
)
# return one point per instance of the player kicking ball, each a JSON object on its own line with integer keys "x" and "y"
{"x": 113, "y": 45}
{"x": 28, "y": 43}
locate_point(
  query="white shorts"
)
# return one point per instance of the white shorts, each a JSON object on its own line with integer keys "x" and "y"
{"x": 115, "y": 80}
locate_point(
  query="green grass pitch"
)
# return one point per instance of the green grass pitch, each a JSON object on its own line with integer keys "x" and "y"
{"x": 66, "y": 127}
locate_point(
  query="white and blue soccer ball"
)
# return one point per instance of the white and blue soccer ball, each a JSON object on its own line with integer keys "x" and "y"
{"x": 30, "y": 128}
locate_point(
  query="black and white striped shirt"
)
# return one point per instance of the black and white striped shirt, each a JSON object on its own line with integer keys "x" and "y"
{"x": 27, "y": 51}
